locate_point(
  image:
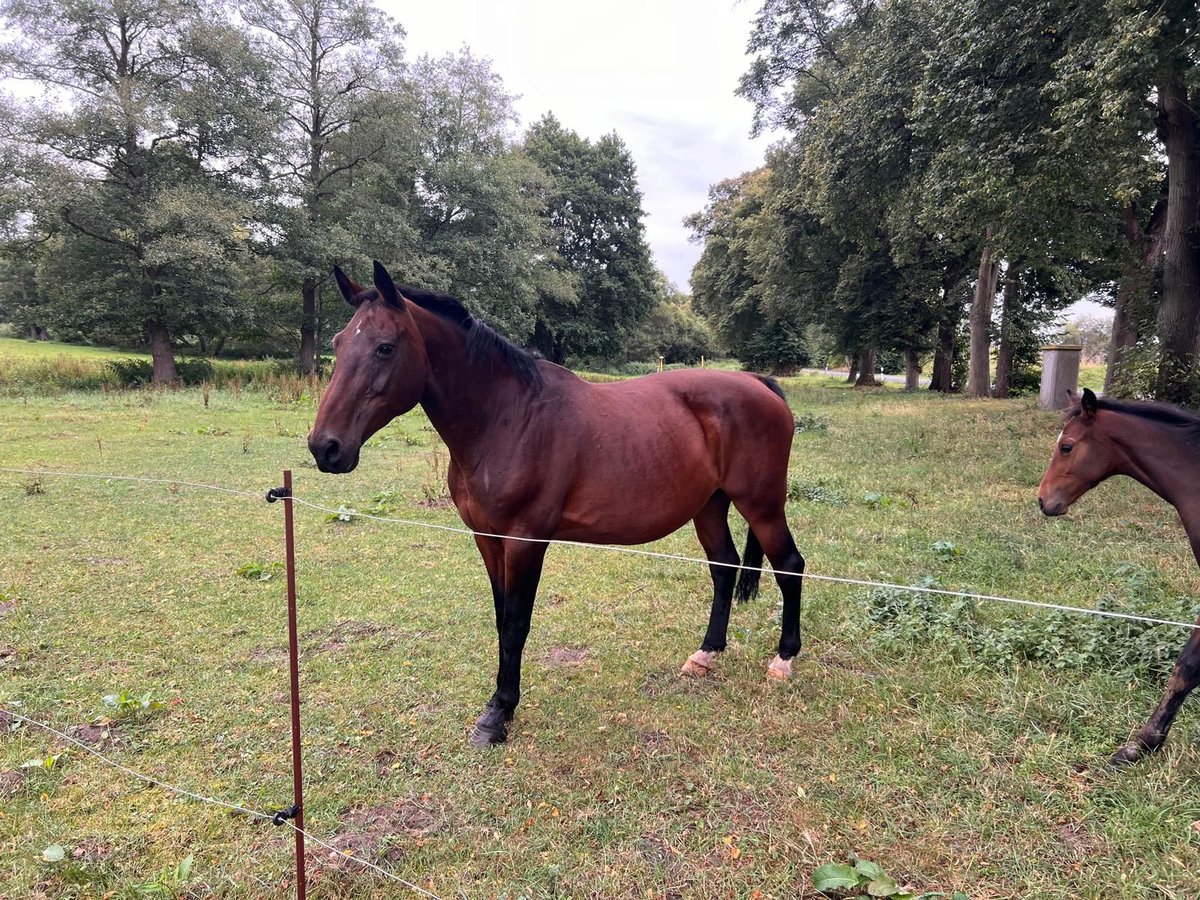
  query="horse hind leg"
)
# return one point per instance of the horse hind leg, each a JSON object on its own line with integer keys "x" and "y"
{"x": 773, "y": 533}
{"x": 712, "y": 528}
{"x": 1153, "y": 734}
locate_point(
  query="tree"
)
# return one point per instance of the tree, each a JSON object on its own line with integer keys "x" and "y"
{"x": 1135, "y": 76}
{"x": 602, "y": 282}
{"x": 329, "y": 59}
{"x": 478, "y": 202}
{"x": 141, "y": 135}
{"x": 672, "y": 330}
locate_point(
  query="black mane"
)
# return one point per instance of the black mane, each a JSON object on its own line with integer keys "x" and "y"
{"x": 1154, "y": 411}
{"x": 482, "y": 339}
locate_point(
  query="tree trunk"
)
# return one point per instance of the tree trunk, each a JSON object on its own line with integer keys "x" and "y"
{"x": 853, "y": 375}
{"x": 1129, "y": 289}
{"x": 942, "y": 376}
{"x": 1180, "y": 307}
{"x": 912, "y": 370}
{"x": 866, "y": 369}
{"x": 1008, "y": 329}
{"x": 308, "y": 326}
{"x": 160, "y": 352}
{"x": 979, "y": 376}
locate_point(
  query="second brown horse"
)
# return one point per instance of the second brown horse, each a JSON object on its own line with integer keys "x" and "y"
{"x": 539, "y": 454}
{"x": 1158, "y": 445}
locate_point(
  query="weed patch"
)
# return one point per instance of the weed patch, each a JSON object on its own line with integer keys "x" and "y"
{"x": 964, "y": 629}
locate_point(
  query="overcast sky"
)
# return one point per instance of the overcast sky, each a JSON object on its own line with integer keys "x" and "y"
{"x": 661, "y": 73}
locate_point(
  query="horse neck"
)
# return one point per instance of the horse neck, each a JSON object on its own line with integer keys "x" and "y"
{"x": 1164, "y": 459}
{"x": 462, "y": 395}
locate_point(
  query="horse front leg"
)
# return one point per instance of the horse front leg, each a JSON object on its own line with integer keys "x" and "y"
{"x": 1153, "y": 734}
{"x": 522, "y": 563}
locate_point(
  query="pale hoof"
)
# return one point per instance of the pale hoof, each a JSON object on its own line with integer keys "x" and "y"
{"x": 780, "y": 669}
{"x": 698, "y": 665}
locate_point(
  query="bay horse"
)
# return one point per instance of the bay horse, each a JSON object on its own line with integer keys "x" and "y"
{"x": 537, "y": 453}
{"x": 1158, "y": 445}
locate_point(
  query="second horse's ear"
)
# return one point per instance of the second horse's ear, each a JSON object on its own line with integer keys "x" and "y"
{"x": 350, "y": 289}
{"x": 386, "y": 287}
{"x": 1088, "y": 404}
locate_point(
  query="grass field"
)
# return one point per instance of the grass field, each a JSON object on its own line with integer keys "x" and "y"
{"x": 952, "y": 771}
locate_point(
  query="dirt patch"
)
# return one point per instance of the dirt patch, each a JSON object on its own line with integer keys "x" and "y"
{"x": 107, "y": 561}
{"x": 268, "y": 654}
{"x": 385, "y": 761}
{"x": 343, "y": 634}
{"x": 96, "y": 734}
{"x": 92, "y": 850}
{"x": 1076, "y": 839}
{"x": 11, "y": 782}
{"x": 382, "y": 832}
{"x": 436, "y": 503}
{"x": 6, "y": 607}
{"x": 7, "y": 719}
{"x": 655, "y": 740}
{"x": 566, "y": 656}
{"x": 672, "y": 684}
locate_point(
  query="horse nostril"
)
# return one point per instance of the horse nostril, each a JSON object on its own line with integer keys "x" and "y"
{"x": 332, "y": 450}
{"x": 1041, "y": 504}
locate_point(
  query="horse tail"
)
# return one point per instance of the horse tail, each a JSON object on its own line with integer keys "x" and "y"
{"x": 747, "y": 580}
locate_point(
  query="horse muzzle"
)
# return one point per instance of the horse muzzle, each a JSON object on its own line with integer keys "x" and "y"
{"x": 1052, "y": 507}
{"x": 333, "y": 455}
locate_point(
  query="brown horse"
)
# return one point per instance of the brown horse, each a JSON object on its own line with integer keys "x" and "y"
{"x": 538, "y": 453}
{"x": 1159, "y": 445}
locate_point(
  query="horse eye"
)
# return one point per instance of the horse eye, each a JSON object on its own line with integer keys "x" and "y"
{"x": 1064, "y": 449}
{"x": 384, "y": 350}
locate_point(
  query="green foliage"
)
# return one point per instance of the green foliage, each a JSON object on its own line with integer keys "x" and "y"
{"x": 970, "y": 629}
{"x": 127, "y": 703}
{"x": 344, "y": 516}
{"x": 170, "y": 882}
{"x": 256, "y": 571}
{"x": 672, "y": 330}
{"x": 863, "y": 879}
{"x": 135, "y": 372}
{"x": 818, "y": 491}
{"x": 601, "y": 282}
{"x": 946, "y": 550}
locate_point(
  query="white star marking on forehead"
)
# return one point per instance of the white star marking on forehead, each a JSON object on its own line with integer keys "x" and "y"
{"x": 357, "y": 330}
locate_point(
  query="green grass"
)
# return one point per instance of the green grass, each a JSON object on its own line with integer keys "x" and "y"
{"x": 622, "y": 779}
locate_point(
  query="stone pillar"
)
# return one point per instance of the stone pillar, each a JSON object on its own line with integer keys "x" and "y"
{"x": 1060, "y": 373}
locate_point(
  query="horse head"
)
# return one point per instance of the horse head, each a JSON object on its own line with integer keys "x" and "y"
{"x": 380, "y": 373}
{"x": 1081, "y": 460}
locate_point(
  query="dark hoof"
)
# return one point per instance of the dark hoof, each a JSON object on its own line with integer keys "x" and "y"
{"x": 490, "y": 728}
{"x": 1127, "y": 754}
{"x": 1133, "y": 751}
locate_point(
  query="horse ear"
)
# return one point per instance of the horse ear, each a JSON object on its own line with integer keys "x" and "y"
{"x": 347, "y": 285}
{"x": 385, "y": 286}
{"x": 1088, "y": 404}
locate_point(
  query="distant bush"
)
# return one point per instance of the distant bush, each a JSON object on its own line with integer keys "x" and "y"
{"x": 132, "y": 372}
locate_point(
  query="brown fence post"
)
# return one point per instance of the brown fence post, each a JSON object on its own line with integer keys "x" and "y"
{"x": 294, "y": 667}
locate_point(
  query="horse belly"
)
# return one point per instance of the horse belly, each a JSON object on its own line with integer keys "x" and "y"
{"x": 646, "y": 494}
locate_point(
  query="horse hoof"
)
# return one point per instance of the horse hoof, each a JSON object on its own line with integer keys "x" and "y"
{"x": 491, "y": 727}
{"x": 483, "y": 736}
{"x": 698, "y": 665}
{"x": 1127, "y": 754}
{"x": 780, "y": 669}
